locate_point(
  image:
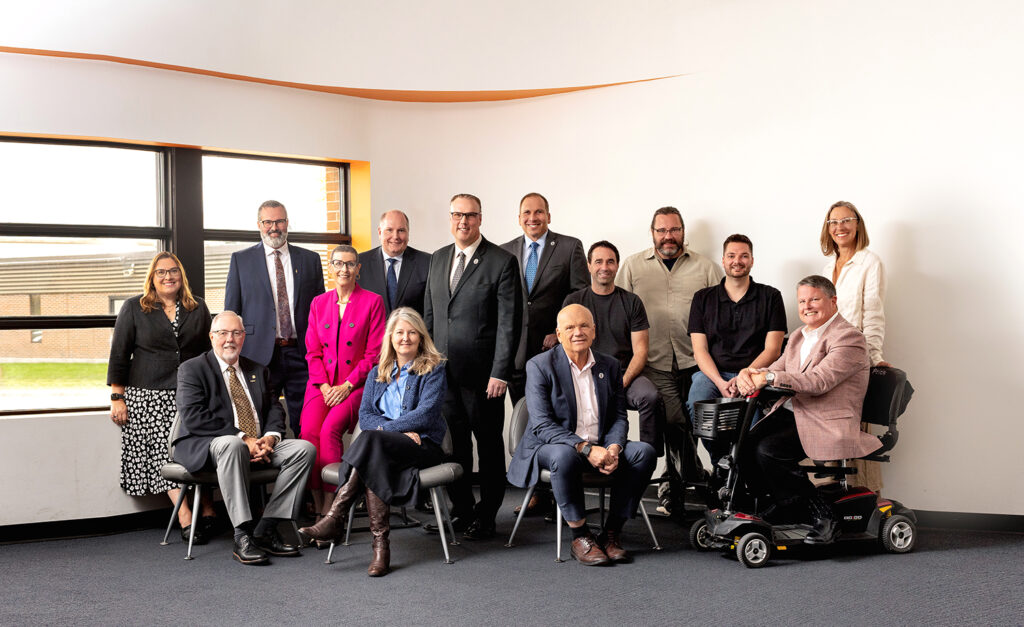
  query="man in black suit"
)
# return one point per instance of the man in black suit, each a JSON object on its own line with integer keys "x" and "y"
{"x": 473, "y": 311}
{"x": 271, "y": 285}
{"x": 229, "y": 420}
{"x": 552, "y": 267}
{"x": 395, "y": 270}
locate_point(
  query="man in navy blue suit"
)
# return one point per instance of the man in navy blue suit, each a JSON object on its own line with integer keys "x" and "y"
{"x": 271, "y": 285}
{"x": 578, "y": 424}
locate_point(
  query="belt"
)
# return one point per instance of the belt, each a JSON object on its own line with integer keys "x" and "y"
{"x": 281, "y": 341}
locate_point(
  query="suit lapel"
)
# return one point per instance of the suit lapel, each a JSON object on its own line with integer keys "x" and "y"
{"x": 471, "y": 264}
{"x": 600, "y": 374}
{"x": 517, "y": 250}
{"x": 221, "y": 386}
{"x": 563, "y": 373}
{"x": 260, "y": 254}
{"x": 403, "y": 277}
{"x": 296, "y": 263}
{"x": 545, "y": 256}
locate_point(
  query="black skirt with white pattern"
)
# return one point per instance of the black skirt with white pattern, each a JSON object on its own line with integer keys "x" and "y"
{"x": 144, "y": 441}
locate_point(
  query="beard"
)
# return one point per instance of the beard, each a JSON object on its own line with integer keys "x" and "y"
{"x": 274, "y": 241}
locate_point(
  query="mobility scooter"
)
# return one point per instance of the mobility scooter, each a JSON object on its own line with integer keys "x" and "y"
{"x": 737, "y": 525}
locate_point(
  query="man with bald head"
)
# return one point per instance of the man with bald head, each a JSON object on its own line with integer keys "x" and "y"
{"x": 230, "y": 419}
{"x": 578, "y": 424}
{"x": 395, "y": 270}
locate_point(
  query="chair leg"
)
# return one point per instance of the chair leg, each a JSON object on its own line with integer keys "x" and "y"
{"x": 192, "y": 531}
{"x": 174, "y": 513}
{"x": 558, "y": 534}
{"x": 601, "y": 506}
{"x": 650, "y": 529}
{"x": 440, "y": 524}
{"x": 351, "y": 519}
{"x": 405, "y": 516}
{"x": 522, "y": 512}
{"x": 330, "y": 553}
{"x": 447, "y": 517}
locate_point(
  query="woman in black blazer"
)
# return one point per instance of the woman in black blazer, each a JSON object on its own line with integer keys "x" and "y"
{"x": 154, "y": 332}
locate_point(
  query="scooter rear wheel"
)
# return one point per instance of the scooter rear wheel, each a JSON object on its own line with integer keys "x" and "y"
{"x": 699, "y": 536}
{"x": 898, "y": 534}
{"x": 753, "y": 550}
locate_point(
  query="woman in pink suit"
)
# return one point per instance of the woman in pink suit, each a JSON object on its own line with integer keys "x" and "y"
{"x": 346, "y": 327}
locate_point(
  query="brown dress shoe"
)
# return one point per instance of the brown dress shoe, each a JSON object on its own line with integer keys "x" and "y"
{"x": 586, "y": 551}
{"x": 331, "y": 528}
{"x": 380, "y": 527}
{"x": 611, "y": 542}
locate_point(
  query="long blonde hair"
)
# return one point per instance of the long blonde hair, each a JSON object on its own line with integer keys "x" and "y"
{"x": 427, "y": 357}
{"x": 828, "y": 245}
{"x": 149, "y": 299}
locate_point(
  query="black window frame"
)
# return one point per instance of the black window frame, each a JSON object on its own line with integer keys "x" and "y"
{"x": 179, "y": 228}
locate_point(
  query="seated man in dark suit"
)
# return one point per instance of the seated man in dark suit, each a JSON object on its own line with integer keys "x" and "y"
{"x": 578, "y": 424}
{"x": 230, "y": 419}
{"x": 395, "y": 270}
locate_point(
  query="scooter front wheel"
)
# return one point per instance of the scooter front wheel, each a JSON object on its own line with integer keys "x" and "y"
{"x": 753, "y": 550}
{"x": 699, "y": 536}
{"x": 898, "y": 534}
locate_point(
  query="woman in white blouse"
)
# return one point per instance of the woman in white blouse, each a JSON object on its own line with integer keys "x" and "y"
{"x": 859, "y": 278}
{"x": 857, "y": 273}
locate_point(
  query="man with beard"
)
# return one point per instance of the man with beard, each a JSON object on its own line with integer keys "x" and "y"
{"x": 395, "y": 270}
{"x": 271, "y": 285}
{"x": 665, "y": 277}
{"x": 736, "y": 324}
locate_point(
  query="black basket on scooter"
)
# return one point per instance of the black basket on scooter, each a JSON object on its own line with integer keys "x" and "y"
{"x": 717, "y": 419}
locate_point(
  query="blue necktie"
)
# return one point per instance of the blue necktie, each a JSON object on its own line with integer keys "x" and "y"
{"x": 392, "y": 283}
{"x": 531, "y": 267}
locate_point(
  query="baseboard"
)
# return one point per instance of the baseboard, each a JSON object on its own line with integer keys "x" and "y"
{"x": 973, "y": 522}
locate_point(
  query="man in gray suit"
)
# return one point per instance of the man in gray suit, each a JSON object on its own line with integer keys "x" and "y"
{"x": 229, "y": 420}
{"x": 552, "y": 266}
{"x": 473, "y": 311}
{"x": 395, "y": 270}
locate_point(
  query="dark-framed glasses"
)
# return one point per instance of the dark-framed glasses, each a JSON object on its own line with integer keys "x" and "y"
{"x": 676, "y": 230}
{"x": 221, "y": 333}
{"x": 338, "y": 264}
{"x": 457, "y": 216}
{"x": 161, "y": 273}
{"x": 269, "y": 223}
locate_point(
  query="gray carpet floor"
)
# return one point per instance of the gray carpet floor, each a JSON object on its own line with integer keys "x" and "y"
{"x": 951, "y": 578}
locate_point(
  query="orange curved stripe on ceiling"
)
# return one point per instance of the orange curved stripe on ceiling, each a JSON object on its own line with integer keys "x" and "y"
{"x": 397, "y": 95}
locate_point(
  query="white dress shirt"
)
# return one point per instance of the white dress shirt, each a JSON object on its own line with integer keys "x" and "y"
{"x": 469, "y": 250}
{"x": 241, "y": 379}
{"x": 398, "y": 266}
{"x": 286, "y": 263}
{"x": 861, "y": 296}
{"x": 587, "y": 419}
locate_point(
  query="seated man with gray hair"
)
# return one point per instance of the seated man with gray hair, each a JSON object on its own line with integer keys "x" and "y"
{"x": 230, "y": 419}
{"x": 826, "y": 364}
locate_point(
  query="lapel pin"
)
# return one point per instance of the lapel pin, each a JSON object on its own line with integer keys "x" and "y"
{"x": 600, "y": 375}
{"x": 476, "y": 261}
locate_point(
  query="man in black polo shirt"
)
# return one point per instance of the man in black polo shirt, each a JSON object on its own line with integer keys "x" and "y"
{"x": 622, "y": 332}
{"x": 734, "y": 325}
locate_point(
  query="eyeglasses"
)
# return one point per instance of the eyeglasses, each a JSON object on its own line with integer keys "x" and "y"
{"x": 161, "y": 273}
{"x": 223, "y": 334}
{"x": 269, "y": 223}
{"x": 676, "y": 230}
{"x": 338, "y": 264}
{"x": 457, "y": 216}
{"x": 844, "y": 221}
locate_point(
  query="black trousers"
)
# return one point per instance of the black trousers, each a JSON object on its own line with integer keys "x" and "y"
{"x": 773, "y": 459}
{"x": 682, "y": 464}
{"x": 388, "y": 463}
{"x": 470, "y": 414}
{"x": 289, "y": 374}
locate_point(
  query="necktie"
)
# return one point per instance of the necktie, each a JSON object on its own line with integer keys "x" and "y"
{"x": 531, "y": 267}
{"x": 392, "y": 283}
{"x": 459, "y": 269}
{"x": 246, "y": 421}
{"x": 284, "y": 316}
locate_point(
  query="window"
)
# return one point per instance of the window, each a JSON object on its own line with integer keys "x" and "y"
{"x": 81, "y": 222}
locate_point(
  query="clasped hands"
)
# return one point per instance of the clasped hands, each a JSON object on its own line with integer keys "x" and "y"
{"x": 750, "y": 380}
{"x": 335, "y": 394}
{"x": 260, "y": 448}
{"x": 605, "y": 460}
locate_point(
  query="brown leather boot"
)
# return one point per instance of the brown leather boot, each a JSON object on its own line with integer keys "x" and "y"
{"x": 332, "y": 526}
{"x": 380, "y": 527}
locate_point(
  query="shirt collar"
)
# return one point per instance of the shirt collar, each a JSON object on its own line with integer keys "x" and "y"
{"x": 590, "y": 362}
{"x": 268, "y": 251}
{"x": 816, "y": 333}
{"x": 224, "y": 365}
{"x": 723, "y": 295}
{"x": 387, "y": 256}
{"x": 540, "y": 242}
{"x": 469, "y": 250}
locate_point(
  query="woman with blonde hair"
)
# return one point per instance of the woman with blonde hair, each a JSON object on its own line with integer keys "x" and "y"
{"x": 401, "y": 431}
{"x": 155, "y": 331}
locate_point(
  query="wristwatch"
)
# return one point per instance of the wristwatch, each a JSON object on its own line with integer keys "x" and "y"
{"x": 116, "y": 397}
{"x": 770, "y": 378}
{"x": 587, "y": 447}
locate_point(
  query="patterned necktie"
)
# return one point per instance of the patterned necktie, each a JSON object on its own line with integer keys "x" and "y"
{"x": 459, "y": 269}
{"x": 246, "y": 421}
{"x": 531, "y": 266}
{"x": 284, "y": 316}
{"x": 392, "y": 283}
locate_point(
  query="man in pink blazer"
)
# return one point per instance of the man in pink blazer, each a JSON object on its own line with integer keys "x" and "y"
{"x": 826, "y": 363}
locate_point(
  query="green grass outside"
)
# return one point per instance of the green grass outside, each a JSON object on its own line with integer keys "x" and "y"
{"x": 52, "y": 374}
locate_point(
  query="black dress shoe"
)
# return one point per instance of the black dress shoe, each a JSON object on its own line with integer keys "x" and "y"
{"x": 275, "y": 545}
{"x": 459, "y": 524}
{"x": 479, "y": 530}
{"x": 247, "y": 552}
{"x": 822, "y": 532}
{"x": 208, "y": 525}
{"x": 200, "y": 536}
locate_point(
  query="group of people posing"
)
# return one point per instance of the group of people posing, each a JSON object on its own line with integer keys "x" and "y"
{"x": 415, "y": 346}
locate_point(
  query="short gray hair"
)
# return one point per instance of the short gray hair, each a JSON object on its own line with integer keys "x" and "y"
{"x": 226, "y": 312}
{"x": 269, "y": 204}
{"x": 820, "y": 283}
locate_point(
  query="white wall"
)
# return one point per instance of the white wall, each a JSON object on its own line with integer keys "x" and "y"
{"x": 910, "y": 111}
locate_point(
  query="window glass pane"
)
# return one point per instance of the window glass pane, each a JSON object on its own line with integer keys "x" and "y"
{"x": 234, "y": 188}
{"x": 218, "y": 259}
{"x": 65, "y": 276}
{"x": 54, "y": 368}
{"x": 60, "y": 184}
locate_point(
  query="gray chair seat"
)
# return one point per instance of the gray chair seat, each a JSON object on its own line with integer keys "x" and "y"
{"x": 175, "y": 472}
